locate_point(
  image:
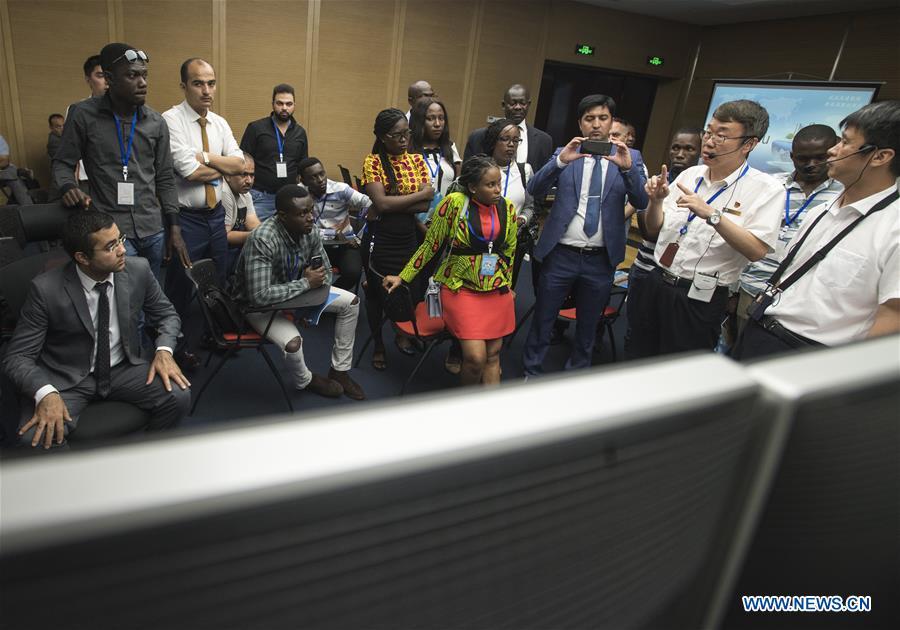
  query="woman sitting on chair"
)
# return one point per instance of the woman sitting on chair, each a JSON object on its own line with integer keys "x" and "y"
{"x": 479, "y": 227}
{"x": 430, "y": 129}
{"x": 398, "y": 184}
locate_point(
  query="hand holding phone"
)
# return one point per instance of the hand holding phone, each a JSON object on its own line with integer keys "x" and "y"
{"x": 315, "y": 262}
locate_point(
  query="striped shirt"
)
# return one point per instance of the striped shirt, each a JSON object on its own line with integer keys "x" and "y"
{"x": 332, "y": 211}
{"x": 757, "y": 274}
{"x": 270, "y": 268}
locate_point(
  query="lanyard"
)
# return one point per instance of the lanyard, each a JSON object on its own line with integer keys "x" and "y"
{"x": 322, "y": 209}
{"x": 506, "y": 185}
{"x": 124, "y": 153}
{"x": 692, "y": 216}
{"x": 490, "y": 239}
{"x": 437, "y": 164}
{"x": 788, "y": 219}
{"x": 279, "y": 139}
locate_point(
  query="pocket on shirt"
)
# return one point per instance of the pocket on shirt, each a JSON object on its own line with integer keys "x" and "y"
{"x": 841, "y": 268}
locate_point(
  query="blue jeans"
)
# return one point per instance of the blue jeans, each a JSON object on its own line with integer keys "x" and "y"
{"x": 563, "y": 271}
{"x": 149, "y": 247}
{"x": 263, "y": 203}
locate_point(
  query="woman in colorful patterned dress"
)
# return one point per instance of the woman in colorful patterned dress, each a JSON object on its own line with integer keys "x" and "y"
{"x": 399, "y": 186}
{"x": 476, "y": 275}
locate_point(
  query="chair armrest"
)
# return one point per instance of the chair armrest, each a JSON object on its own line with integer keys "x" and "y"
{"x": 311, "y": 298}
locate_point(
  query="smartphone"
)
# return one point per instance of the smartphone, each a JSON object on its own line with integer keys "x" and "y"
{"x": 598, "y": 147}
{"x": 315, "y": 262}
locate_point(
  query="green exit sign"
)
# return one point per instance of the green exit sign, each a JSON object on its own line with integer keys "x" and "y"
{"x": 655, "y": 61}
{"x": 584, "y": 49}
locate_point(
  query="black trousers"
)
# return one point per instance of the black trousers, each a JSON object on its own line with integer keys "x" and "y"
{"x": 757, "y": 342}
{"x": 348, "y": 261}
{"x": 664, "y": 320}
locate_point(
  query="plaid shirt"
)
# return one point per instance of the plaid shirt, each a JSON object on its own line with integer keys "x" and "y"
{"x": 270, "y": 268}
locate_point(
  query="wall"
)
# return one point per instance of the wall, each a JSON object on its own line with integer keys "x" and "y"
{"x": 350, "y": 58}
{"x": 805, "y": 47}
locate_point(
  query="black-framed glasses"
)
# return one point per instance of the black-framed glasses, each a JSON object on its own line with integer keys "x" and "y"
{"x": 398, "y": 135}
{"x": 719, "y": 139}
{"x": 131, "y": 56}
{"x": 111, "y": 247}
{"x": 512, "y": 141}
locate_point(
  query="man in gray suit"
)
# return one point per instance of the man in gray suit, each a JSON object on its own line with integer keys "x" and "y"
{"x": 77, "y": 338}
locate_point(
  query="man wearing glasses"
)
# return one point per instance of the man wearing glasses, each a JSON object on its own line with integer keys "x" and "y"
{"x": 124, "y": 145}
{"x": 712, "y": 220}
{"x": 77, "y": 338}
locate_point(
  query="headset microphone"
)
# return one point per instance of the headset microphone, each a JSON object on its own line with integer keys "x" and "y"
{"x": 712, "y": 156}
{"x": 866, "y": 148}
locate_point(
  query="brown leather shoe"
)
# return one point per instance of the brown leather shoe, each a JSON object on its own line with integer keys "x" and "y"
{"x": 324, "y": 386}
{"x": 351, "y": 387}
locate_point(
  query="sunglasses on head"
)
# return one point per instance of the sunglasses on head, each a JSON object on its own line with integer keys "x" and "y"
{"x": 131, "y": 56}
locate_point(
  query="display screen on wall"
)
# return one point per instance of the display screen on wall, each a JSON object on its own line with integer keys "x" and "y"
{"x": 792, "y": 105}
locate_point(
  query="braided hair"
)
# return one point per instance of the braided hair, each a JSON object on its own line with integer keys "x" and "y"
{"x": 384, "y": 122}
{"x": 472, "y": 171}
{"x": 492, "y": 135}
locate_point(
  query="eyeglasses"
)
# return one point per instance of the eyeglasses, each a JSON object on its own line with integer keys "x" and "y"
{"x": 111, "y": 247}
{"x": 512, "y": 141}
{"x": 719, "y": 139}
{"x": 398, "y": 135}
{"x": 131, "y": 56}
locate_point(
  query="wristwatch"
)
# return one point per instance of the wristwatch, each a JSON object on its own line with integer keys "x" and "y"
{"x": 714, "y": 218}
{"x": 206, "y": 158}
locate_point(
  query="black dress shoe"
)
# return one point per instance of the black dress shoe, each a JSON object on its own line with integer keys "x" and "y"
{"x": 187, "y": 361}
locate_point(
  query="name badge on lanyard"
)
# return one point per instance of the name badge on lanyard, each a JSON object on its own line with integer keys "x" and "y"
{"x": 490, "y": 259}
{"x": 125, "y": 189}
{"x": 280, "y": 165}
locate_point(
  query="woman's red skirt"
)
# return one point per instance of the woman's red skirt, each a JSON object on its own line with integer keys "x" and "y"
{"x": 478, "y": 314}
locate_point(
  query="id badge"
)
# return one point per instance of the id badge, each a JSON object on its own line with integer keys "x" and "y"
{"x": 703, "y": 286}
{"x": 488, "y": 264}
{"x": 125, "y": 194}
{"x": 280, "y": 170}
{"x": 668, "y": 256}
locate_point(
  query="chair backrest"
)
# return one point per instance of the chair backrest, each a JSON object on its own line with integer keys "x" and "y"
{"x": 221, "y": 313}
{"x": 16, "y": 277}
{"x": 43, "y": 222}
{"x": 345, "y": 174}
{"x": 10, "y": 225}
{"x": 10, "y": 250}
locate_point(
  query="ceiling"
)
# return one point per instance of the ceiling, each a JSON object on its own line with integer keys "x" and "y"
{"x": 731, "y": 11}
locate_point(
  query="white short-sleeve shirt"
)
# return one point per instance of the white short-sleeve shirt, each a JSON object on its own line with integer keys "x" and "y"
{"x": 835, "y": 302}
{"x": 754, "y": 202}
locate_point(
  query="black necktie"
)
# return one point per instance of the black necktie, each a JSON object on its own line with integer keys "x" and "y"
{"x": 101, "y": 363}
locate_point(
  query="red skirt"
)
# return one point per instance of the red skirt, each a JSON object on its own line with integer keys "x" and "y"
{"x": 478, "y": 314}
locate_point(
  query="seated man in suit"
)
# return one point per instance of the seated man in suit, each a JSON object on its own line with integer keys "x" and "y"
{"x": 584, "y": 236}
{"x": 77, "y": 338}
{"x": 536, "y": 145}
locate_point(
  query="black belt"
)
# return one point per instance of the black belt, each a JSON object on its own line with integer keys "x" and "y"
{"x": 771, "y": 326}
{"x": 587, "y": 251}
{"x": 203, "y": 211}
{"x": 673, "y": 280}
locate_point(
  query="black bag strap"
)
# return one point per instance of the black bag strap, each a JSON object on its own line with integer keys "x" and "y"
{"x": 521, "y": 167}
{"x": 820, "y": 255}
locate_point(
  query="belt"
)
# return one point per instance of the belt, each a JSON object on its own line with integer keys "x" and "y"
{"x": 587, "y": 251}
{"x": 771, "y": 325}
{"x": 673, "y": 280}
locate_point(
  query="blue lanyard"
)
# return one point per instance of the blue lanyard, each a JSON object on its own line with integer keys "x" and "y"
{"x": 490, "y": 239}
{"x": 788, "y": 219}
{"x": 692, "y": 216}
{"x": 322, "y": 210}
{"x": 506, "y": 185}
{"x": 279, "y": 139}
{"x": 292, "y": 262}
{"x": 123, "y": 152}
{"x": 437, "y": 165}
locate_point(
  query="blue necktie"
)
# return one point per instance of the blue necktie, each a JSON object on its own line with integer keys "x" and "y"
{"x": 595, "y": 192}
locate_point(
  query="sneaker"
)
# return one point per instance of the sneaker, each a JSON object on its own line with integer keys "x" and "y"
{"x": 324, "y": 386}
{"x": 351, "y": 387}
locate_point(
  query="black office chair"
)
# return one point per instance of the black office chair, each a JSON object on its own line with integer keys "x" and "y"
{"x": 43, "y": 222}
{"x": 345, "y": 174}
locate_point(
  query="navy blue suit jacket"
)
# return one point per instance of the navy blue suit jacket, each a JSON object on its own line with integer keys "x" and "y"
{"x": 618, "y": 187}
